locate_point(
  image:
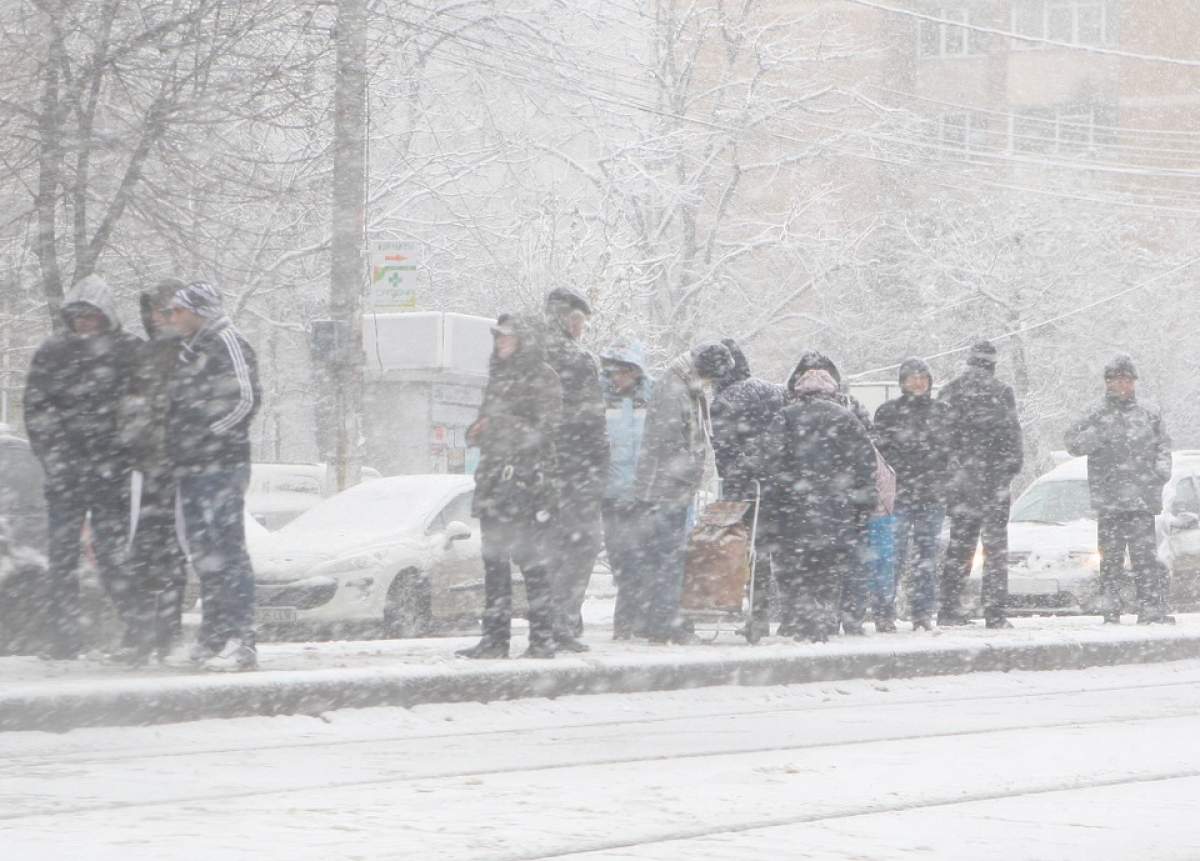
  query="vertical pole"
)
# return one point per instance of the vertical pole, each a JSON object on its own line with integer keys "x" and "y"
{"x": 348, "y": 233}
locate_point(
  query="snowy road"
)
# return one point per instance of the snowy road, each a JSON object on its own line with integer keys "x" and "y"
{"x": 1097, "y": 764}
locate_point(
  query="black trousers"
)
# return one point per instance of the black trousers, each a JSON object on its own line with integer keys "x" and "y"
{"x": 157, "y": 570}
{"x": 811, "y": 577}
{"x": 1117, "y": 531}
{"x": 70, "y": 502}
{"x": 503, "y": 543}
{"x": 970, "y": 523}
{"x": 623, "y": 543}
{"x": 578, "y": 538}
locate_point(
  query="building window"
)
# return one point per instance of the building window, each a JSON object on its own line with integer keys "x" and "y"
{"x": 1064, "y": 130}
{"x": 966, "y": 131}
{"x": 948, "y": 40}
{"x": 1079, "y": 22}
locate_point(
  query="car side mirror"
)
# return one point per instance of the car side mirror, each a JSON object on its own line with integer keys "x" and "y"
{"x": 457, "y": 531}
{"x": 1185, "y": 520}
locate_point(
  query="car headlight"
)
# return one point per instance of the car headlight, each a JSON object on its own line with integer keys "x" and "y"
{"x": 1089, "y": 559}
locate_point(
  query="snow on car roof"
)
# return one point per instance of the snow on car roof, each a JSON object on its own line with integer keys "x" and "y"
{"x": 403, "y": 502}
{"x": 1075, "y": 469}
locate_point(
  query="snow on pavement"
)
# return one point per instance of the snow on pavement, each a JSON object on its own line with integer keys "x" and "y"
{"x": 1089, "y": 764}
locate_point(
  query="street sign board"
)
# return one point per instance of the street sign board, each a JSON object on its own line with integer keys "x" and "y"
{"x": 394, "y": 274}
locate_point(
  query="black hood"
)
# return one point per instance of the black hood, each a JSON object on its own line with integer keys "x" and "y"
{"x": 532, "y": 350}
{"x": 813, "y": 360}
{"x": 741, "y": 367}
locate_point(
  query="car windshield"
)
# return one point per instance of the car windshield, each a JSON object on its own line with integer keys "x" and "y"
{"x": 372, "y": 507}
{"x": 1054, "y": 502}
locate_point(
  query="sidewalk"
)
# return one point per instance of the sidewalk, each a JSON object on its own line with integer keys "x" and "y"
{"x": 311, "y": 678}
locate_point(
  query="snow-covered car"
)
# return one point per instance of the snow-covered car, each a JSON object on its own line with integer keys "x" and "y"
{"x": 1053, "y": 557}
{"x": 398, "y": 556}
{"x": 281, "y": 492}
{"x": 22, "y": 504}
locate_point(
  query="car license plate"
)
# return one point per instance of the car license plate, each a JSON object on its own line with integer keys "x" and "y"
{"x": 1032, "y": 586}
{"x": 275, "y": 615}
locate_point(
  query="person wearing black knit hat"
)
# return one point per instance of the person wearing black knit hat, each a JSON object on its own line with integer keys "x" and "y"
{"x": 984, "y": 444}
{"x": 911, "y": 436}
{"x": 582, "y": 461}
{"x": 670, "y": 470}
{"x": 1129, "y": 462}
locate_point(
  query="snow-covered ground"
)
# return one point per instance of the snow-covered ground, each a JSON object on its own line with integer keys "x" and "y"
{"x": 1096, "y": 764}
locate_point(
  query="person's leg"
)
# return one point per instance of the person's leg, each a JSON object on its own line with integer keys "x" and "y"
{"x": 110, "y": 514}
{"x": 926, "y": 528}
{"x": 883, "y": 569}
{"x": 856, "y": 576}
{"x": 620, "y": 542}
{"x": 578, "y": 541}
{"x": 202, "y": 510}
{"x": 994, "y": 535}
{"x": 1110, "y": 537}
{"x": 1151, "y": 577}
{"x": 667, "y": 525}
{"x": 496, "y": 542}
{"x": 66, "y": 510}
{"x": 965, "y": 524}
{"x": 834, "y": 565}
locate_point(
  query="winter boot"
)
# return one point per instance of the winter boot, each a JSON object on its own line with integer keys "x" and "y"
{"x": 998, "y": 623}
{"x": 484, "y": 650}
{"x": 953, "y": 620}
{"x": 571, "y": 644}
{"x": 922, "y": 623}
{"x": 539, "y": 651}
{"x": 1113, "y": 618}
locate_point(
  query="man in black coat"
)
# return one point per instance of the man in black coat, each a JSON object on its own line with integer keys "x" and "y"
{"x": 855, "y": 587}
{"x": 582, "y": 445}
{"x": 1129, "y": 461}
{"x": 911, "y": 434}
{"x": 983, "y": 436}
{"x": 213, "y": 394}
{"x": 742, "y": 411}
{"x": 516, "y": 497}
{"x": 156, "y": 559}
{"x": 823, "y": 485}
{"x": 77, "y": 382}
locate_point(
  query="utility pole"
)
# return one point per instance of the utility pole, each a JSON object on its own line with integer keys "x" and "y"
{"x": 344, "y": 355}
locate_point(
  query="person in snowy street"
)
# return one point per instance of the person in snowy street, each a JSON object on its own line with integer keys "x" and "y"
{"x": 823, "y": 474}
{"x": 670, "y": 471}
{"x": 212, "y": 396}
{"x": 983, "y": 439}
{"x": 76, "y": 384}
{"x": 1129, "y": 462}
{"x": 855, "y": 587}
{"x": 626, "y": 394}
{"x": 582, "y": 447}
{"x": 911, "y": 434}
{"x": 743, "y": 409}
{"x": 156, "y": 559}
{"x": 516, "y": 496}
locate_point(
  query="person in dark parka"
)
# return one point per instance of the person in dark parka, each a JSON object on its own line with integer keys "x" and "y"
{"x": 823, "y": 486}
{"x": 742, "y": 411}
{"x": 516, "y": 496}
{"x": 1129, "y": 462}
{"x": 911, "y": 434}
{"x": 582, "y": 445}
{"x": 854, "y": 593}
{"x": 983, "y": 438}
{"x": 77, "y": 382}
{"x": 156, "y": 558}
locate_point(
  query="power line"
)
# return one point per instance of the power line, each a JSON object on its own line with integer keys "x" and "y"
{"x": 1093, "y": 49}
{"x": 1055, "y": 319}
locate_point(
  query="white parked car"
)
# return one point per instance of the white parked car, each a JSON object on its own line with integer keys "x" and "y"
{"x": 397, "y": 556}
{"x": 1054, "y": 561}
{"x": 281, "y": 492}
